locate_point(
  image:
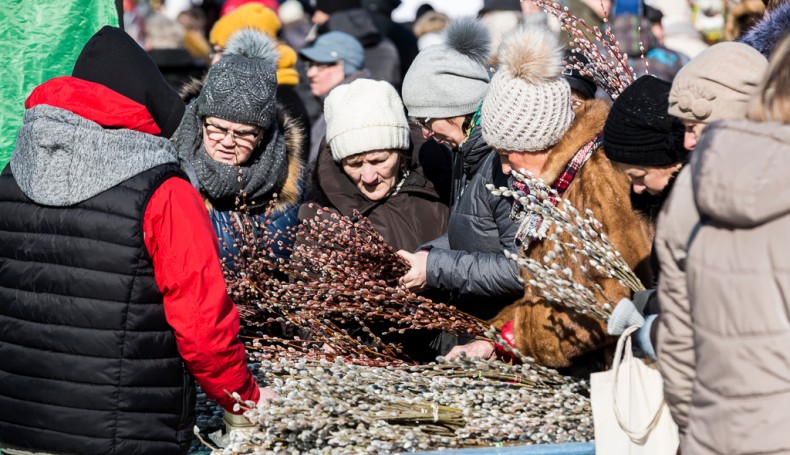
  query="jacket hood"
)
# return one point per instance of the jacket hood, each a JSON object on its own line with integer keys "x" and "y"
{"x": 62, "y": 159}
{"x": 740, "y": 172}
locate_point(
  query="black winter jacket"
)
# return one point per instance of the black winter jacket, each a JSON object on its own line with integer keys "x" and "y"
{"x": 469, "y": 260}
{"x": 88, "y": 362}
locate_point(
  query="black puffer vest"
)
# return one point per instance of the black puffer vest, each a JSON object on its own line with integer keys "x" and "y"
{"x": 88, "y": 363}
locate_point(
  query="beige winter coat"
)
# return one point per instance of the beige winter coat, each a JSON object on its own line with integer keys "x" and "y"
{"x": 724, "y": 337}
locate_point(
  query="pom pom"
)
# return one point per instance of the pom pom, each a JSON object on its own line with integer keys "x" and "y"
{"x": 252, "y": 44}
{"x": 470, "y": 38}
{"x": 531, "y": 53}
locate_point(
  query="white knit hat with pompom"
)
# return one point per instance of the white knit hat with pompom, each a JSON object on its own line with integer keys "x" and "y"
{"x": 528, "y": 105}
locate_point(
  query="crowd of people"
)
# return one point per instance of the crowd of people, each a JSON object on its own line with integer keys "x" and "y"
{"x": 129, "y": 174}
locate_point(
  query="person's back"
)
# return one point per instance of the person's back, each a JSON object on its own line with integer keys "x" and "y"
{"x": 99, "y": 336}
{"x": 721, "y": 338}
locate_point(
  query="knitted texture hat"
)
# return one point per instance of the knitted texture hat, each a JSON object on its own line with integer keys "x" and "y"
{"x": 639, "y": 130}
{"x": 449, "y": 79}
{"x": 528, "y": 107}
{"x": 250, "y": 15}
{"x": 113, "y": 59}
{"x": 362, "y": 116}
{"x": 718, "y": 83}
{"x": 241, "y": 86}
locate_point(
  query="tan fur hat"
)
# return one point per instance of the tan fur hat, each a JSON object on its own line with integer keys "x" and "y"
{"x": 717, "y": 84}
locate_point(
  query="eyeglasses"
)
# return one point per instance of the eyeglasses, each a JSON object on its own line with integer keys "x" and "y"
{"x": 309, "y": 64}
{"x": 241, "y": 138}
{"x": 424, "y": 122}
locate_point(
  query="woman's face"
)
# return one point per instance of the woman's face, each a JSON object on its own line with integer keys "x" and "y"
{"x": 693, "y": 133}
{"x": 230, "y": 142}
{"x": 447, "y": 131}
{"x": 529, "y": 161}
{"x": 374, "y": 173}
{"x": 653, "y": 179}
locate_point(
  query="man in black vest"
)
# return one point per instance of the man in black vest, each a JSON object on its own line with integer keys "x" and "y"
{"x": 111, "y": 294}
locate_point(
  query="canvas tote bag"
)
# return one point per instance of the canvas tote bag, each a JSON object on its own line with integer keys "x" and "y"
{"x": 629, "y": 412}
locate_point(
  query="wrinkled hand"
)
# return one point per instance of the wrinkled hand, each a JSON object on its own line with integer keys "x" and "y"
{"x": 482, "y": 349}
{"x": 416, "y": 277}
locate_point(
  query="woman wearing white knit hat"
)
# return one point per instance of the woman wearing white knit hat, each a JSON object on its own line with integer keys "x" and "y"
{"x": 528, "y": 119}
{"x": 366, "y": 165}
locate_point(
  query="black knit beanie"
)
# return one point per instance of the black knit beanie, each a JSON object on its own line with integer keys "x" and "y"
{"x": 639, "y": 129}
{"x": 333, "y": 6}
{"x": 113, "y": 59}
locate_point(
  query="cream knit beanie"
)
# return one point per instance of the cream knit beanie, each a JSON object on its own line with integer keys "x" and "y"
{"x": 362, "y": 116}
{"x": 528, "y": 106}
{"x": 718, "y": 83}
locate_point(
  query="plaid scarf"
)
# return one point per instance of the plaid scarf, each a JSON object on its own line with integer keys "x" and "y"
{"x": 532, "y": 226}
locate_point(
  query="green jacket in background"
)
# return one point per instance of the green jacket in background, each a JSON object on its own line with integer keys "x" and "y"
{"x": 41, "y": 40}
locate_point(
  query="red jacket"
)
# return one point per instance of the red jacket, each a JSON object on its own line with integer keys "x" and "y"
{"x": 183, "y": 245}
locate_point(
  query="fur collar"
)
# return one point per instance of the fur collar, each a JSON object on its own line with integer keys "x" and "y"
{"x": 590, "y": 118}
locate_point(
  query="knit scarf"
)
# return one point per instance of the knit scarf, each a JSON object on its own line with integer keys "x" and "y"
{"x": 257, "y": 179}
{"x": 532, "y": 226}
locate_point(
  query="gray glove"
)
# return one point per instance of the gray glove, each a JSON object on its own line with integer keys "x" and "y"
{"x": 625, "y": 315}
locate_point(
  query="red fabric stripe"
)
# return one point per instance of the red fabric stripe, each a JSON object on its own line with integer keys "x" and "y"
{"x": 94, "y": 102}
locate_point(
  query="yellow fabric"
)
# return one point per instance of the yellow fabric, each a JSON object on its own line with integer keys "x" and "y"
{"x": 286, "y": 67}
{"x": 251, "y": 15}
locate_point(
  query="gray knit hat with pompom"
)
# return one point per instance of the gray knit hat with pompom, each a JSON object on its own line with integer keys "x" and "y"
{"x": 528, "y": 107}
{"x": 241, "y": 86}
{"x": 449, "y": 79}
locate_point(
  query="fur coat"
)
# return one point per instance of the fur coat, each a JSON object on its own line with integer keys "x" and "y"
{"x": 554, "y": 336}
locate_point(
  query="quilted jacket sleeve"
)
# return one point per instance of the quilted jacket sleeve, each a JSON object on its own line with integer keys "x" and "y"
{"x": 675, "y": 350}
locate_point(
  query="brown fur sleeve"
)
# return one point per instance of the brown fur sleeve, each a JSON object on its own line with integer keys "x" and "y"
{"x": 554, "y": 335}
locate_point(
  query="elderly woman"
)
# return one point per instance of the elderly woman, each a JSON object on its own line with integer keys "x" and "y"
{"x": 366, "y": 166}
{"x": 722, "y": 244}
{"x": 646, "y": 143}
{"x": 243, "y": 155}
{"x": 443, "y": 90}
{"x": 529, "y": 120}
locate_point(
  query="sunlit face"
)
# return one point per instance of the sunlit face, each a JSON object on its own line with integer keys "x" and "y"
{"x": 528, "y": 161}
{"x": 230, "y": 142}
{"x": 324, "y": 77}
{"x": 693, "y": 133}
{"x": 447, "y": 131}
{"x": 653, "y": 179}
{"x": 375, "y": 173}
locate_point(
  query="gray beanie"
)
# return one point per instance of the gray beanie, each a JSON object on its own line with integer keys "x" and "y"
{"x": 449, "y": 79}
{"x": 528, "y": 107}
{"x": 241, "y": 86}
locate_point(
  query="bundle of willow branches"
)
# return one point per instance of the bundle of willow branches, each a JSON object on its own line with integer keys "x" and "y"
{"x": 577, "y": 236}
{"x": 336, "y": 297}
{"x": 606, "y": 64}
{"x": 334, "y": 407}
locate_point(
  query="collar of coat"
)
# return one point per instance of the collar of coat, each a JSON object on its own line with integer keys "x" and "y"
{"x": 590, "y": 118}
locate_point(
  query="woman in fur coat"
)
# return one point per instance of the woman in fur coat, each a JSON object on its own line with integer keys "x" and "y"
{"x": 241, "y": 150}
{"x": 527, "y": 117}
